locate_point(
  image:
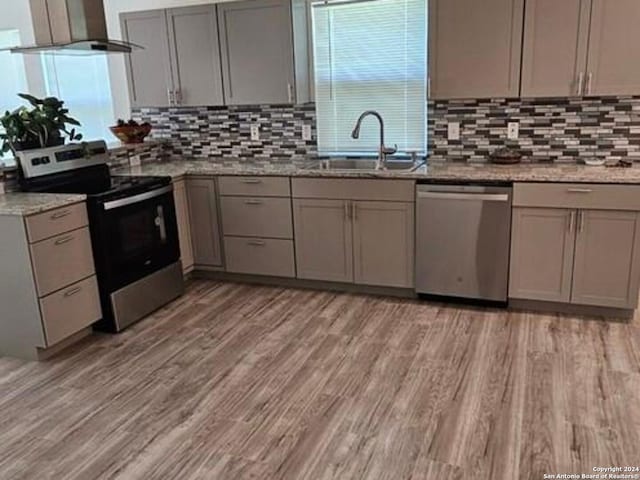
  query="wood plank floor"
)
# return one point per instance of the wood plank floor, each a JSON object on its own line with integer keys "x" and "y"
{"x": 238, "y": 382}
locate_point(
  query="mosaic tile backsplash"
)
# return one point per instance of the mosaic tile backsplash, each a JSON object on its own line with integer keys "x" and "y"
{"x": 225, "y": 131}
{"x": 561, "y": 130}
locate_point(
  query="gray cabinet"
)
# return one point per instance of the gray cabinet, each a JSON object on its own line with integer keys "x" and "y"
{"x": 613, "y": 63}
{"x": 542, "y": 244}
{"x": 195, "y": 55}
{"x": 555, "y": 47}
{"x": 383, "y": 243}
{"x": 205, "y": 225}
{"x": 184, "y": 224}
{"x": 605, "y": 269}
{"x": 148, "y": 70}
{"x": 323, "y": 239}
{"x": 475, "y": 48}
{"x": 180, "y": 63}
{"x": 257, "y": 51}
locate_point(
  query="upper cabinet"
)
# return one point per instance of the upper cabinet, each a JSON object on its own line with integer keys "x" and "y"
{"x": 195, "y": 62}
{"x": 580, "y": 48}
{"x": 257, "y": 51}
{"x": 179, "y": 64}
{"x": 148, "y": 70}
{"x": 555, "y": 47}
{"x": 475, "y": 48}
{"x": 613, "y": 66}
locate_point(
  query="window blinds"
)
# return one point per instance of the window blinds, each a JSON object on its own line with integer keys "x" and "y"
{"x": 370, "y": 55}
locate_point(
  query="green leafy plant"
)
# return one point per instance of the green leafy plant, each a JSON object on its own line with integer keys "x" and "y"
{"x": 43, "y": 125}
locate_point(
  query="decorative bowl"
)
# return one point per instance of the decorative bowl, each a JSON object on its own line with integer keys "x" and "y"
{"x": 506, "y": 156}
{"x": 131, "y": 133}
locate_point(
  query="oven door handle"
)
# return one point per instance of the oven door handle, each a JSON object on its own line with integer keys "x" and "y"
{"x": 122, "y": 202}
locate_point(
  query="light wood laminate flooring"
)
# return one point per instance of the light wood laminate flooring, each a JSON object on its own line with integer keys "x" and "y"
{"x": 252, "y": 382}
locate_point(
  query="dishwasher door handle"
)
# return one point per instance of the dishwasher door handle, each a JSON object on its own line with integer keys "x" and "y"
{"x": 483, "y": 197}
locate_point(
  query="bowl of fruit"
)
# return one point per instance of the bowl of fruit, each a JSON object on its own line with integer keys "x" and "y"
{"x": 131, "y": 131}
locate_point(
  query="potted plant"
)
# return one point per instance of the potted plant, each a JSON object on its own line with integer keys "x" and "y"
{"x": 44, "y": 125}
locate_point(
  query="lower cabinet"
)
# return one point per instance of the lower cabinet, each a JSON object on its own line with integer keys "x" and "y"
{"x": 363, "y": 242}
{"x": 542, "y": 243}
{"x": 606, "y": 268}
{"x": 579, "y": 256}
{"x": 184, "y": 224}
{"x": 205, "y": 225}
{"x": 259, "y": 256}
{"x": 324, "y": 239}
{"x": 383, "y": 240}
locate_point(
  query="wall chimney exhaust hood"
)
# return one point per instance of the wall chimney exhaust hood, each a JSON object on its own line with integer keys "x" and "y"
{"x": 71, "y": 27}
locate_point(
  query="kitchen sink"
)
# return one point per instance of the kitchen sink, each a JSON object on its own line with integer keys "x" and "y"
{"x": 362, "y": 164}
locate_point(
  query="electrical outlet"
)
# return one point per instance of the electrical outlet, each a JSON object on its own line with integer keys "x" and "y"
{"x": 513, "y": 130}
{"x": 255, "y": 132}
{"x": 453, "y": 131}
{"x": 306, "y": 132}
{"x": 134, "y": 161}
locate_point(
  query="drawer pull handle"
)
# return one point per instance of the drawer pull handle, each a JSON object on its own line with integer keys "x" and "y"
{"x": 62, "y": 241}
{"x": 72, "y": 292}
{"x": 256, "y": 243}
{"x": 253, "y": 202}
{"x": 579, "y": 190}
{"x": 59, "y": 215}
{"x": 252, "y": 181}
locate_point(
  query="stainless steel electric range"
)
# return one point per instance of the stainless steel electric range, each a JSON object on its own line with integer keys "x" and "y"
{"x": 133, "y": 227}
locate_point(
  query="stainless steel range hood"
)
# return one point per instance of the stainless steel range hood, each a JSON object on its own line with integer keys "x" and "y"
{"x": 71, "y": 27}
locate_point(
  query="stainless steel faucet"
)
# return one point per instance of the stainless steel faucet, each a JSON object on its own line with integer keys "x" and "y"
{"x": 383, "y": 151}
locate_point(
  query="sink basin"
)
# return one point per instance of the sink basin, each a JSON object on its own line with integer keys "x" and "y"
{"x": 362, "y": 164}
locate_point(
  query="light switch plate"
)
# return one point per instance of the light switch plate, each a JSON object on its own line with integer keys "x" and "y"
{"x": 255, "y": 132}
{"x": 513, "y": 130}
{"x": 134, "y": 161}
{"x": 453, "y": 131}
{"x": 306, "y": 132}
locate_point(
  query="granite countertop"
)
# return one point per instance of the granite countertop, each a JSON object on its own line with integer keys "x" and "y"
{"x": 25, "y": 204}
{"x": 436, "y": 171}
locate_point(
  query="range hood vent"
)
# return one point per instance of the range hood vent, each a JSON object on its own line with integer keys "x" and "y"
{"x": 71, "y": 27}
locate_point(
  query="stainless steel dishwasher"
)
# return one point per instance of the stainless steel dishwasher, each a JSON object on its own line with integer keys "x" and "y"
{"x": 462, "y": 241}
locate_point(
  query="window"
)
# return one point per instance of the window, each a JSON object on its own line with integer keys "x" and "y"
{"x": 82, "y": 81}
{"x": 13, "y": 79}
{"x": 370, "y": 55}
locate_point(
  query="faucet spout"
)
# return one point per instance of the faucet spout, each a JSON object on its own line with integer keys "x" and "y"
{"x": 383, "y": 151}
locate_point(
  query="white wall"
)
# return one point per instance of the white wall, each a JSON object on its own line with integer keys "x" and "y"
{"x": 17, "y": 15}
{"x": 117, "y": 70}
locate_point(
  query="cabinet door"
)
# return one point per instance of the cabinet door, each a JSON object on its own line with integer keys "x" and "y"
{"x": 383, "y": 238}
{"x": 257, "y": 51}
{"x": 205, "y": 229}
{"x": 613, "y": 63}
{"x": 148, "y": 70}
{"x": 555, "y": 47}
{"x": 323, "y": 240}
{"x": 195, "y": 52}
{"x": 606, "y": 265}
{"x": 184, "y": 225}
{"x": 475, "y": 48}
{"x": 542, "y": 245}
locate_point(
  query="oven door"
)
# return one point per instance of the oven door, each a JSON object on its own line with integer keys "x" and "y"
{"x": 136, "y": 236}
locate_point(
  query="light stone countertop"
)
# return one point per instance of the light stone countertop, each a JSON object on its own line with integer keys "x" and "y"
{"x": 434, "y": 171}
{"x": 25, "y": 204}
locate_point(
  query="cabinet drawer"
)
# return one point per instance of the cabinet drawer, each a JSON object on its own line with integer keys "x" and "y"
{"x": 354, "y": 189}
{"x": 257, "y": 217}
{"x": 54, "y": 222}
{"x": 258, "y": 186}
{"x": 577, "y": 195}
{"x": 62, "y": 260}
{"x": 70, "y": 310}
{"x": 260, "y": 256}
